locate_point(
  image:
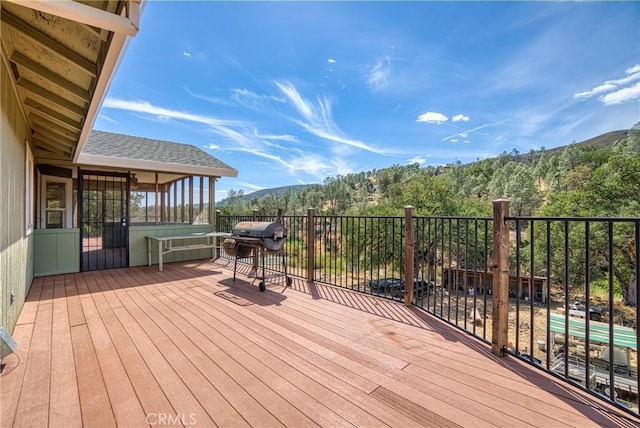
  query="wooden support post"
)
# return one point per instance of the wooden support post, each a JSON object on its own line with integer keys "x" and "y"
{"x": 191, "y": 199}
{"x": 156, "y": 208}
{"x": 212, "y": 200}
{"x": 254, "y": 265}
{"x": 500, "y": 296}
{"x": 311, "y": 244}
{"x": 409, "y": 241}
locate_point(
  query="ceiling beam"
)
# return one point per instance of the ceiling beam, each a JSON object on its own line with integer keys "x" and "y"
{"x": 50, "y": 96}
{"x": 42, "y": 155}
{"x": 49, "y": 113}
{"x": 89, "y": 15}
{"x": 45, "y": 73}
{"x": 57, "y": 133}
{"x": 41, "y": 142}
{"x": 43, "y": 39}
{"x": 53, "y": 140}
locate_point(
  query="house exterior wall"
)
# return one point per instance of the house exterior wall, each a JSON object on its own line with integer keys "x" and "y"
{"x": 16, "y": 249}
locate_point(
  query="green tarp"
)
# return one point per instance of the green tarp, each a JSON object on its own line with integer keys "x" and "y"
{"x": 624, "y": 337}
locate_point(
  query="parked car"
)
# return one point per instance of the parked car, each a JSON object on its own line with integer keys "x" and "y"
{"x": 595, "y": 312}
{"x": 394, "y": 287}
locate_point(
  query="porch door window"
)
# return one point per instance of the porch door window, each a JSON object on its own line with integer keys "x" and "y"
{"x": 56, "y": 203}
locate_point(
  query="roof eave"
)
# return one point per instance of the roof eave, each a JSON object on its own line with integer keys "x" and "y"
{"x": 115, "y": 53}
{"x": 148, "y": 165}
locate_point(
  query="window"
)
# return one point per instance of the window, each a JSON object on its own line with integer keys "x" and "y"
{"x": 29, "y": 191}
{"x": 56, "y": 202}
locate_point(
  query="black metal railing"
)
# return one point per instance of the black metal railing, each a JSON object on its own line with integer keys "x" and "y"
{"x": 582, "y": 324}
{"x": 566, "y": 284}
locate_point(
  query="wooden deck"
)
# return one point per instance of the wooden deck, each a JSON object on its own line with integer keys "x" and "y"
{"x": 187, "y": 346}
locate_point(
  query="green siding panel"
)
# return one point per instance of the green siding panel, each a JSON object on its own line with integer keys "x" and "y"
{"x": 56, "y": 251}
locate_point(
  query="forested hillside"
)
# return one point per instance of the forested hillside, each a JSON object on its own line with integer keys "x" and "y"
{"x": 586, "y": 179}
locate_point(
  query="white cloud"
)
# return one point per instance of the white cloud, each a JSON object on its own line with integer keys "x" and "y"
{"x": 418, "y": 159}
{"x": 609, "y": 86}
{"x": 622, "y": 95}
{"x": 432, "y": 117}
{"x": 632, "y": 70}
{"x": 378, "y": 76}
{"x": 460, "y": 117}
{"x": 454, "y": 140}
{"x": 606, "y": 87}
{"x": 318, "y": 118}
{"x": 187, "y": 54}
{"x": 212, "y": 146}
{"x": 466, "y": 141}
{"x": 331, "y": 61}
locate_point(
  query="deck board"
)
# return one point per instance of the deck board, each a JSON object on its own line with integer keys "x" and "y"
{"x": 189, "y": 346}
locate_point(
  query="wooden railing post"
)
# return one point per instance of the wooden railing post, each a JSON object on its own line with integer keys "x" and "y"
{"x": 254, "y": 265}
{"x": 500, "y": 288}
{"x": 311, "y": 244}
{"x": 217, "y": 222}
{"x": 409, "y": 241}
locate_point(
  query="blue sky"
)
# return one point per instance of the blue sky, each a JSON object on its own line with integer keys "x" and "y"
{"x": 294, "y": 92}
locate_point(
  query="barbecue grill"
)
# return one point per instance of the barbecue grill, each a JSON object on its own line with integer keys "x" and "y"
{"x": 259, "y": 238}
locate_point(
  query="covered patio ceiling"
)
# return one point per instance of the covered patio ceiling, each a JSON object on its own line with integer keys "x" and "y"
{"x": 62, "y": 55}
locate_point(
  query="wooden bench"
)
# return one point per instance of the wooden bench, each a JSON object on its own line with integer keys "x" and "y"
{"x": 169, "y": 244}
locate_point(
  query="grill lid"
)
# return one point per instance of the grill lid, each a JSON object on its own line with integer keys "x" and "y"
{"x": 260, "y": 229}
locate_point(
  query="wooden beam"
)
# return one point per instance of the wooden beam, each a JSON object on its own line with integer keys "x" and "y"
{"x": 311, "y": 248}
{"x": 45, "y": 73}
{"x": 40, "y": 142}
{"x": 500, "y": 287}
{"x": 409, "y": 263}
{"x": 49, "y": 113}
{"x": 45, "y": 135}
{"x": 83, "y": 14}
{"x": 54, "y": 98}
{"x": 42, "y": 39}
{"x": 70, "y": 137}
{"x": 41, "y": 155}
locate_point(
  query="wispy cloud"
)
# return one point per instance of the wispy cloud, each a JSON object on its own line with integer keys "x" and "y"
{"x": 251, "y": 186}
{"x": 432, "y": 117}
{"x": 148, "y": 108}
{"x": 465, "y": 133}
{"x": 187, "y": 54}
{"x": 377, "y": 77}
{"x": 107, "y": 118}
{"x": 242, "y": 137}
{"x": 460, "y": 117}
{"x": 331, "y": 61}
{"x": 318, "y": 120}
{"x": 283, "y": 137}
{"x": 252, "y": 100}
{"x": 612, "y": 92}
{"x": 213, "y": 100}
